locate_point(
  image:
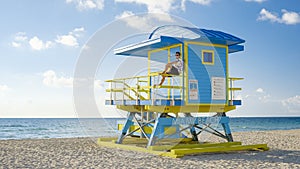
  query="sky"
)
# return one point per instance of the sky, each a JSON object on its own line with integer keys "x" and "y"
{"x": 41, "y": 41}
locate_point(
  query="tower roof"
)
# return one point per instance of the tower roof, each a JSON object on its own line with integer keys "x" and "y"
{"x": 173, "y": 34}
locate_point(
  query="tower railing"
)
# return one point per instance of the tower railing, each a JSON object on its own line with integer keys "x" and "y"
{"x": 141, "y": 88}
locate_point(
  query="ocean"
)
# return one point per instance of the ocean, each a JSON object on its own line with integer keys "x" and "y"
{"x": 42, "y": 128}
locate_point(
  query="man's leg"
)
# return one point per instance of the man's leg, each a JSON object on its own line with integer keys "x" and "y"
{"x": 167, "y": 67}
{"x": 162, "y": 80}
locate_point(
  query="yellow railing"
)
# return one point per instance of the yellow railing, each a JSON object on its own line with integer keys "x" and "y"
{"x": 232, "y": 89}
{"x": 140, "y": 88}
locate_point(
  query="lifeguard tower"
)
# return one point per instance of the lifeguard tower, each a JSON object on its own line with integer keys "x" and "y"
{"x": 180, "y": 109}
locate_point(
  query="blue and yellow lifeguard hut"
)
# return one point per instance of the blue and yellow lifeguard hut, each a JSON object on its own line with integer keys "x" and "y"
{"x": 170, "y": 111}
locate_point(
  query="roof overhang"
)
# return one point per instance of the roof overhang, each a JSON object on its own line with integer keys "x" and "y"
{"x": 141, "y": 49}
{"x": 235, "y": 48}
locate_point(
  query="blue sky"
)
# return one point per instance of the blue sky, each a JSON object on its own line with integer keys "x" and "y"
{"x": 40, "y": 43}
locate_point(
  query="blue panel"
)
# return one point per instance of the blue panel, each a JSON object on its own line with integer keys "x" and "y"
{"x": 235, "y": 48}
{"x": 237, "y": 102}
{"x": 204, "y": 72}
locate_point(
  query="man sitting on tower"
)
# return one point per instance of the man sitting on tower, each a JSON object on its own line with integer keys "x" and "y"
{"x": 172, "y": 68}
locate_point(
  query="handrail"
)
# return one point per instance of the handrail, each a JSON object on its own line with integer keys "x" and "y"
{"x": 140, "y": 87}
{"x": 235, "y": 78}
{"x": 119, "y": 79}
{"x": 232, "y": 89}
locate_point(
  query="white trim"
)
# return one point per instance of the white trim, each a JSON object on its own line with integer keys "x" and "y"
{"x": 137, "y": 45}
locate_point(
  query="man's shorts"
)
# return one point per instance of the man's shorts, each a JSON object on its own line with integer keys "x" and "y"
{"x": 173, "y": 71}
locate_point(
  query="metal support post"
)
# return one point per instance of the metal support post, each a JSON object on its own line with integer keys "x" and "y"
{"x": 128, "y": 123}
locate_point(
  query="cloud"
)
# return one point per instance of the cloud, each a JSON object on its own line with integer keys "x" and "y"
{"x": 156, "y": 8}
{"x": 37, "y": 44}
{"x": 67, "y": 40}
{"x": 292, "y": 104}
{"x": 87, "y": 4}
{"x": 260, "y": 90}
{"x": 19, "y": 39}
{"x": 52, "y": 80}
{"x": 136, "y": 21}
{"x": 164, "y": 6}
{"x": 259, "y": 1}
{"x": 201, "y": 2}
{"x": 288, "y": 17}
{"x": 71, "y": 38}
{"x": 4, "y": 88}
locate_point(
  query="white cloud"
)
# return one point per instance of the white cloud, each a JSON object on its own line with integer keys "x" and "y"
{"x": 16, "y": 44}
{"x": 156, "y": 8}
{"x": 292, "y": 104}
{"x": 78, "y": 31}
{"x": 37, "y": 44}
{"x": 288, "y": 17}
{"x": 164, "y": 6}
{"x": 52, "y": 80}
{"x": 201, "y": 2}
{"x": 259, "y": 1}
{"x": 68, "y": 40}
{"x": 260, "y": 90}
{"x": 19, "y": 39}
{"x": 136, "y": 21}
{"x": 71, "y": 38}
{"x": 4, "y": 88}
{"x": 87, "y": 4}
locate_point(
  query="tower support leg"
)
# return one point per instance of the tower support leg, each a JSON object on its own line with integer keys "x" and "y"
{"x": 192, "y": 129}
{"x": 128, "y": 123}
{"x": 155, "y": 132}
{"x": 225, "y": 124}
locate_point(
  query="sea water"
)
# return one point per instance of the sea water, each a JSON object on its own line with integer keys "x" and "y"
{"x": 35, "y": 128}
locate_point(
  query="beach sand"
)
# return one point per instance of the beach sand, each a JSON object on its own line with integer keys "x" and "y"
{"x": 85, "y": 153}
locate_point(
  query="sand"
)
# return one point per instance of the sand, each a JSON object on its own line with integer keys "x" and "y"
{"x": 85, "y": 153}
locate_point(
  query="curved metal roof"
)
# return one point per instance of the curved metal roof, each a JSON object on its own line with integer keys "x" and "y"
{"x": 174, "y": 34}
{"x": 195, "y": 33}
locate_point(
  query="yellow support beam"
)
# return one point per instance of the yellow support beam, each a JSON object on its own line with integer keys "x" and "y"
{"x": 188, "y": 151}
{"x": 235, "y": 78}
{"x": 189, "y": 108}
{"x": 179, "y": 150}
{"x": 191, "y": 146}
{"x": 177, "y": 109}
{"x": 167, "y": 87}
{"x": 235, "y": 88}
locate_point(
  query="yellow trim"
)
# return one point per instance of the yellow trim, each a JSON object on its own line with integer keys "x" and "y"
{"x": 169, "y": 81}
{"x": 149, "y": 77}
{"x": 170, "y": 130}
{"x": 204, "y": 108}
{"x": 186, "y": 71}
{"x": 205, "y": 44}
{"x": 235, "y": 88}
{"x": 235, "y": 78}
{"x": 227, "y": 75}
{"x": 183, "y": 152}
{"x": 192, "y": 145}
{"x": 121, "y": 80}
{"x": 213, "y": 57}
{"x": 180, "y": 150}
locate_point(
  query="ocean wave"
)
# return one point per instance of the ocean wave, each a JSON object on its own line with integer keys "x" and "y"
{"x": 13, "y": 125}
